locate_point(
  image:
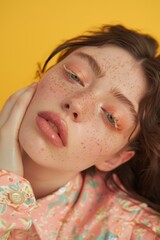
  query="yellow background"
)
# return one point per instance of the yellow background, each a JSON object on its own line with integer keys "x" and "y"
{"x": 30, "y": 29}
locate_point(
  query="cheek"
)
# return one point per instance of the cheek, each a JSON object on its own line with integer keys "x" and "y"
{"x": 100, "y": 146}
{"x": 52, "y": 86}
{"x": 96, "y": 143}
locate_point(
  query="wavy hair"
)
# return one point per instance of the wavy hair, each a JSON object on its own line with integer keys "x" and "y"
{"x": 141, "y": 175}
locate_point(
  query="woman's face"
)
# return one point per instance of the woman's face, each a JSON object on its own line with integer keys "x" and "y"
{"x": 84, "y": 111}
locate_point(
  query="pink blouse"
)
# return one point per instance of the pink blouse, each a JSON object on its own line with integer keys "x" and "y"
{"x": 83, "y": 209}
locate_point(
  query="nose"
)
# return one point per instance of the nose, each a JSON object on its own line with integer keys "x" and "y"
{"x": 73, "y": 111}
{"x": 78, "y": 107}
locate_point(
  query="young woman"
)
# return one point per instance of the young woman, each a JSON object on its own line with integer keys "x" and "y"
{"x": 80, "y": 150}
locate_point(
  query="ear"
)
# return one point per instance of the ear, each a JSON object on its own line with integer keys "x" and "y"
{"x": 117, "y": 160}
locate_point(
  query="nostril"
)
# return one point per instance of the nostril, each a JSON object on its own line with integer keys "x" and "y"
{"x": 75, "y": 115}
{"x": 66, "y": 106}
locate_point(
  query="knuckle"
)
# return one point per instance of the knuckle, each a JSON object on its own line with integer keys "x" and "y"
{"x": 10, "y": 99}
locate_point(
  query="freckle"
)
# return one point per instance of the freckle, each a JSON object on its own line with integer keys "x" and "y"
{"x": 100, "y": 150}
{"x": 52, "y": 89}
{"x": 83, "y": 144}
{"x": 42, "y": 149}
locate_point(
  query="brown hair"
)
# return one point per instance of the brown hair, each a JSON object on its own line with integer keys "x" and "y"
{"x": 141, "y": 175}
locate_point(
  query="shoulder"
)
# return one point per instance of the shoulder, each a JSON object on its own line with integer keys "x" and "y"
{"x": 145, "y": 222}
{"x": 126, "y": 216}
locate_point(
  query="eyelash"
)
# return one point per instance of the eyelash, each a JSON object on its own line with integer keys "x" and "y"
{"x": 113, "y": 122}
{"x": 73, "y": 76}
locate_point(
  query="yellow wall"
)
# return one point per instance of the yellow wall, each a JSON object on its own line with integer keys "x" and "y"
{"x": 30, "y": 29}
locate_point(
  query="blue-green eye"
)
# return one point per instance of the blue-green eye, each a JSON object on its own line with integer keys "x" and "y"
{"x": 73, "y": 75}
{"x": 112, "y": 120}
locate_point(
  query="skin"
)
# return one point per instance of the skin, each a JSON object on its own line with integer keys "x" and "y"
{"x": 88, "y": 108}
{"x": 10, "y": 121}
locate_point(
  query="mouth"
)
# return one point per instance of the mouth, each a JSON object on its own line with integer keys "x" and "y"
{"x": 53, "y": 127}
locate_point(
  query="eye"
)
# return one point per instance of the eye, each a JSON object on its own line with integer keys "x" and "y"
{"x": 112, "y": 120}
{"x": 73, "y": 76}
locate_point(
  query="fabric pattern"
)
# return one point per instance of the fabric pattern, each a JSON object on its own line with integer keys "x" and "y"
{"x": 84, "y": 209}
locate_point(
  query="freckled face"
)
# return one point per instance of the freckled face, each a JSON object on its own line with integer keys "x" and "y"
{"x": 98, "y": 118}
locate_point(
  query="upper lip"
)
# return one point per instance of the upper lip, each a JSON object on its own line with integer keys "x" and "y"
{"x": 59, "y": 122}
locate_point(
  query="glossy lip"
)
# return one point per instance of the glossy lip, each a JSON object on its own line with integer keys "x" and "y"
{"x": 58, "y": 139}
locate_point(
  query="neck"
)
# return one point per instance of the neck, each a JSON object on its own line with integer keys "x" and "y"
{"x": 44, "y": 181}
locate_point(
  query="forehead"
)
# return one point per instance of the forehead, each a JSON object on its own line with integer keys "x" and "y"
{"x": 111, "y": 57}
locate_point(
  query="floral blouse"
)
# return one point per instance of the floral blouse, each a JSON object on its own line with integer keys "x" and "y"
{"x": 85, "y": 208}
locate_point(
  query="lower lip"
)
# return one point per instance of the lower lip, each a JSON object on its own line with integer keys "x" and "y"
{"x": 49, "y": 132}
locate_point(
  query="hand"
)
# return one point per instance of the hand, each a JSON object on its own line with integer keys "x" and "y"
{"x": 11, "y": 117}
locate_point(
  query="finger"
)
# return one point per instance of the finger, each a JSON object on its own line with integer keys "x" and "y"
{"x": 18, "y": 110}
{"x": 11, "y": 158}
{"x": 4, "y": 114}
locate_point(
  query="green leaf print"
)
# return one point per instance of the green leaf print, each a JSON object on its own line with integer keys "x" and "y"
{"x": 29, "y": 201}
{"x": 78, "y": 238}
{"x": 139, "y": 238}
{"x": 84, "y": 196}
{"x": 3, "y": 209}
{"x": 93, "y": 183}
{"x": 62, "y": 199}
{"x": 107, "y": 236}
{"x": 14, "y": 187}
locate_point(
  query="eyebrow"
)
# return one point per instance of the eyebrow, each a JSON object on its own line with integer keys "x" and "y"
{"x": 92, "y": 63}
{"x": 117, "y": 94}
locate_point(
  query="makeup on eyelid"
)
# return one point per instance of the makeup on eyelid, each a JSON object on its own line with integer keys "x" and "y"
{"x": 110, "y": 118}
{"x": 119, "y": 112}
{"x": 79, "y": 68}
{"x": 73, "y": 76}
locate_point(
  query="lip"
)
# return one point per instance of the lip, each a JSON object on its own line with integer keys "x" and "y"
{"x": 58, "y": 139}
